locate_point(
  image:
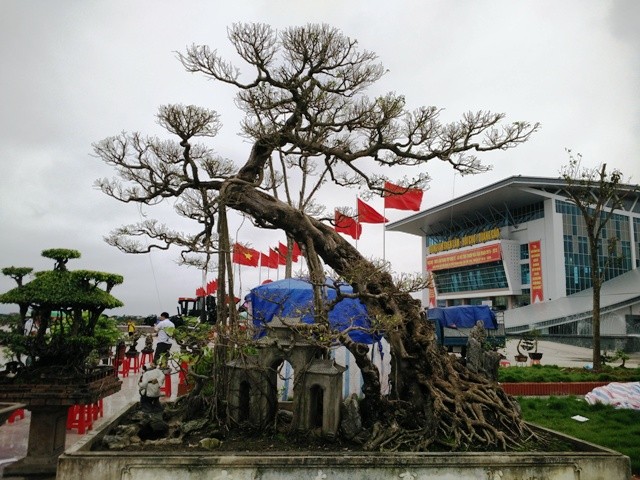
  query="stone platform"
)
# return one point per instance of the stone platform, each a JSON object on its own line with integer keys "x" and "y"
{"x": 585, "y": 462}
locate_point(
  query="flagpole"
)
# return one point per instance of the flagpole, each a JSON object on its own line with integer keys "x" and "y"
{"x": 357, "y": 221}
{"x": 384, "y": 235}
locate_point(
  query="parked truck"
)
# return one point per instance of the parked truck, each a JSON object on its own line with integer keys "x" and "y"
{"x": 453, "y": 325}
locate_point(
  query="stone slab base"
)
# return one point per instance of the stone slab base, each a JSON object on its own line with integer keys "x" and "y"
{"x": 585, "y": 462}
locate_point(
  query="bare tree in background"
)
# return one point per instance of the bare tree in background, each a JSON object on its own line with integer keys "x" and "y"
{"x": 306, "y": 99}
{"x": 597, "y": 194}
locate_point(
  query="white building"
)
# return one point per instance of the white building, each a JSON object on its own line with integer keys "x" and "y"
{"x": 521, "y": 246}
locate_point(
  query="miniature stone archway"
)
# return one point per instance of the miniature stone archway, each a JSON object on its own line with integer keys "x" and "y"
{"x": 253, "y": 392}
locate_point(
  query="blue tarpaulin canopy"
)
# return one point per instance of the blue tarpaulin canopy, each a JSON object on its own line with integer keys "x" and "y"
{"x": 292, "y": 298}
{"x": 464, "y": 316}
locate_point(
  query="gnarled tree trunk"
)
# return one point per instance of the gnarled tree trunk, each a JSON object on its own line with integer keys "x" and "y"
{"x": 434, "y": 398}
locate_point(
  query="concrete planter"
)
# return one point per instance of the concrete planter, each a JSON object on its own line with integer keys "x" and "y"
{"x": 584, "y": 462}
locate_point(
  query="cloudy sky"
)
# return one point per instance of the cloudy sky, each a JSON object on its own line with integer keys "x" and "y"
{"x": 75, "y": 72}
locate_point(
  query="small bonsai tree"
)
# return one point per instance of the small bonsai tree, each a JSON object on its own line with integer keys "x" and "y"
{"x": 68, "y": 305}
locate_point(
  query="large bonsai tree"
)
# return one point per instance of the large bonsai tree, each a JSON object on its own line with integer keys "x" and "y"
{"x": 67, "y": 303}
{"x": 306, "y": 97}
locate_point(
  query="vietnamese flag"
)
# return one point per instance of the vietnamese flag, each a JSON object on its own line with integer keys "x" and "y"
{"x": 245, "y": 255}
{"x": 402, "y": 198}
{"x": 347, "y": 225}
{"x": 367, "y": 214}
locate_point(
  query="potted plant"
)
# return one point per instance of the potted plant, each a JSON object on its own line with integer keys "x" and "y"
{"x": 520, "y": 356}
{"x": 55, "y": 351}
{"x": 529, "y": 342}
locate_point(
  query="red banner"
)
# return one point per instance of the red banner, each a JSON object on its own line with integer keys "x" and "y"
{"x": 535, "y": 270}
{"x": 474, "y": 256}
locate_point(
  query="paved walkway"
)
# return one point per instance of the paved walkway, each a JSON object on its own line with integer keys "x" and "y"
{"x": 14, "y": 437}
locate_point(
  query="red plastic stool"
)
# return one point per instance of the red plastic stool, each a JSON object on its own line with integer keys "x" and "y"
{"x": 97, "y": 410}
{"x": 122, "y": 367}
{"x": 147, "y": 357}
{"x": 16, "y": 415}
{"x": 80, "y": 417}
{"x": 182, "y": 376}
{"x": 166, "y": 388}
{"x": 133, "y": 362}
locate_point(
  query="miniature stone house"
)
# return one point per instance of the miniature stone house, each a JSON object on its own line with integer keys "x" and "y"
{"x": 253, "y": 392}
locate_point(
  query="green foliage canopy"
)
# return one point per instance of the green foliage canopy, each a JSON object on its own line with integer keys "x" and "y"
{"x": 80, "y": 297}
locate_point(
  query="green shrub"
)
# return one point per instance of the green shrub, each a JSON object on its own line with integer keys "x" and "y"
{"x": 553, "y": 373}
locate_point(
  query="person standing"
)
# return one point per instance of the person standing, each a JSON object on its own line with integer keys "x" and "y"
{"x": 150, "y": 385}
{"x": 164, "y": 338}
{"x": 131, "y": 328}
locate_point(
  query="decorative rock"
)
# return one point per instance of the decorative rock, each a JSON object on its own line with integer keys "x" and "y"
{"x": 153, "y": 427}
{"x": 127, "y": 430}
{"x": 351, "y": 423}
{"x": 210, "y": 443}
{"x": 193, "y": 425}
{"x": 285, "y": 417}
{"x": 116, "y": 442}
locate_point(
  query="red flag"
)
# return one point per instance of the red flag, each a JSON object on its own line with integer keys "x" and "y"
{"x": 367, "y": 214}
{"x": 245, "y": 256}
{"x": 212, "y": 286}
{"x": 281, "y": 259}
{"x": 200, "y": 292}
{"x": 401, "y": 198}
{"x": 275, "y": 258}
{"x": 267, "y": 261}
{"x": 347, "y": 225}
{"x": 296, "y": 251}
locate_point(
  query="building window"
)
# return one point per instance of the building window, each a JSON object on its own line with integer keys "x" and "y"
{"x": 487, "y": 276}
{"x": 525, "y": 278}
{"x": 565, "y": 329}
{"x": 524, "y": 298}
{"x": 524, "y": 251}
{"x": 636, "y": 239}
{"x": 577, "y": 259}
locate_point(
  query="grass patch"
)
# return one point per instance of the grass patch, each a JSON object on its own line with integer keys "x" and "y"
{"x": 617, "y": 429}
{"x": 553, "y": 373}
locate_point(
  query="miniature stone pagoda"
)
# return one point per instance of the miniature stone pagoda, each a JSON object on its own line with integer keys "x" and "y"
{"x": 253, "y": 393}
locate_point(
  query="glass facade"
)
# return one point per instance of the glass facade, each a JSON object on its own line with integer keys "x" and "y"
{"x": 473, "y": 278}
{"x": 524, "y": 298}
{"x": 576, "y": 248}
{"x": 636, "y": 239}
{"x": 487, "y": 220}
{"x": 525, "y": 277}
